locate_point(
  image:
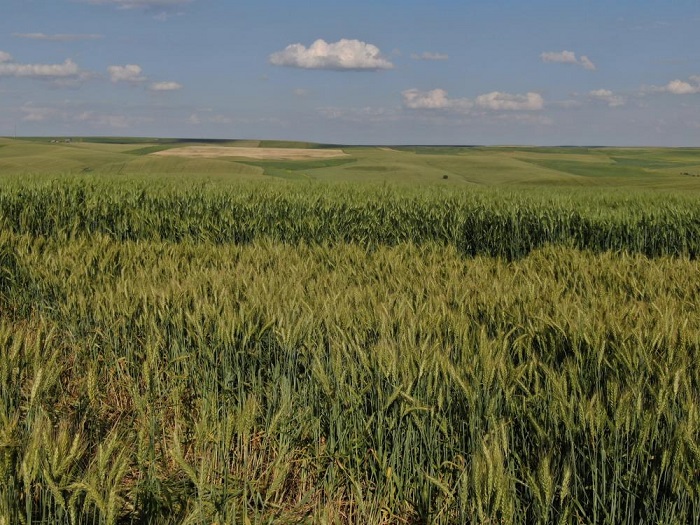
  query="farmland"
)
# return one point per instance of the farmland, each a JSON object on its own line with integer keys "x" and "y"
{"x": 516, "y": 166}
{"x": 395, "y": 335}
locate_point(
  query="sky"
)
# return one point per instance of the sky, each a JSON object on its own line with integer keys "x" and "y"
{"x": 536, "y": 72}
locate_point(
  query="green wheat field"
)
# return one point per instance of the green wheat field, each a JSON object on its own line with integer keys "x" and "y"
{"x": 403, "y": 335}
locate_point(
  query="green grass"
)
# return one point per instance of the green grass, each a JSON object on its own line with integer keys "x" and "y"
{"x": 147, "y": 150}
{"x": 602, "y": 170}
{"x": 433, "y": 150}
{"x": 289, "y": 169}
{"x": 423, "y": 165}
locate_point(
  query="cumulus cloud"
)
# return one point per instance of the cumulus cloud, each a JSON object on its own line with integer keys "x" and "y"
{"x": 5, "y": 57}
{"x": 429, "y": 56}
{"x": 679, "y": 87}
{"x": 498, "y": 101}
{"x": 135, "y": 4}
{"x": 133, "y": 74}
{"x": 165, "y": 86}
{"x": 434, "y": 99}
{"x": 68, "y": 69}
{"x": 129, "y": 73}
{"x": 342, "y": 55}
{"x": 438, "y": 99}
{"x": 300, "y": 92}
{"x": 607, "y": 96}
{"x": 567, "y": 57}
{"x": 57, "y": 38}
{"x": 676, "y": 87}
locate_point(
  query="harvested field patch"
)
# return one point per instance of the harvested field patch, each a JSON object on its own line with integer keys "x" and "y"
{"x": 253, "y": 153}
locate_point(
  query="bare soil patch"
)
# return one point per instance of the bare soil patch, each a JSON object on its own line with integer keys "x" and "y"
{"x": 251, "y": 153}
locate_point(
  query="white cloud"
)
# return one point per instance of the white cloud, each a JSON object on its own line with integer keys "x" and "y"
{"x": 342, "y": 55}
{"x": 128, "y": 73}
{"x": 434, "y": 99}
{"x": 134, "y": 4}
{"x": 679, "y": 87}
{"x": 496, "y": 101}
{"x": 67, "y": 69}
{"x": 676, "y": 87}
{"x": 499, "y": 101}
{"x": 429, "y": 56}
{"x": 165, "y": 86}
{"x": 560, "y": 57}
{"x": 586, "y": 63}
{"x": 300, "y": 92}
{"x": 567, "y": 57}
{"x": 58, "y": 37}
{"x": 5, "y": 57}
{"x": 607, "y": 96}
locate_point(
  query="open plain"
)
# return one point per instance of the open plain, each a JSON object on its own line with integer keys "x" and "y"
{"x": 346, "y": 334}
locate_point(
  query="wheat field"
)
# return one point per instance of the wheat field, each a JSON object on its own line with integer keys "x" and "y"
{"x": 293, "y": 352}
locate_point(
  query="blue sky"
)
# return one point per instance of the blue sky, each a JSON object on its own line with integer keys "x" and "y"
{"x": 363, "y": 72}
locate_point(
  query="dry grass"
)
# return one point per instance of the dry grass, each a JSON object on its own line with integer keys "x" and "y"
{"x": 252, "y": 153}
